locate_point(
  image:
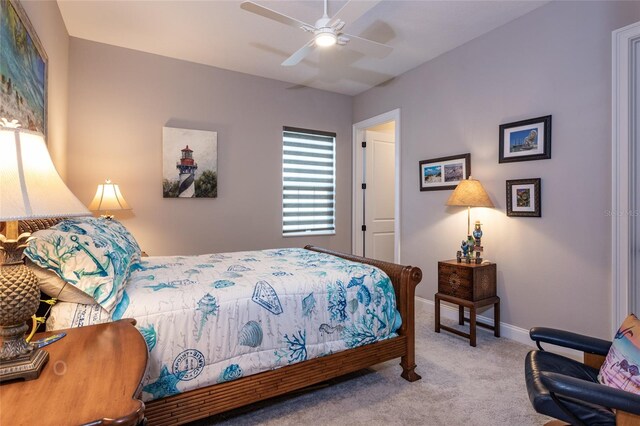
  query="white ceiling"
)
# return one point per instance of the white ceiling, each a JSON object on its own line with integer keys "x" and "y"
{"x": 220, "y": 34}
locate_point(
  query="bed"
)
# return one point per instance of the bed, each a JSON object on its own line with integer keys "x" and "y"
{"x": 222, "y": 385}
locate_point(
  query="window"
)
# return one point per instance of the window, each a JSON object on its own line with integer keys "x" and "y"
{"x": 308, "y": 182}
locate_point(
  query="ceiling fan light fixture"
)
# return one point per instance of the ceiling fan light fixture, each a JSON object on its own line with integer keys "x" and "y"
{"x": 327, "y": 31}
{"x": 325, "y": 37}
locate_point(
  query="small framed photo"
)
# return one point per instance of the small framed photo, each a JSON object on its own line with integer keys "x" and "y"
{"x": 525, "y": 140}
{"x": 523, "y": 198}
{"x": 445, "y": 172}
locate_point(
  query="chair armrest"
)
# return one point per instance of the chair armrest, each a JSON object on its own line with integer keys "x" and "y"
{"x": 570, "y": 340}
{"x": 593, "y": 393}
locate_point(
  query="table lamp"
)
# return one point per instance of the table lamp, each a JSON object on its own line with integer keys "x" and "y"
{"x": 108, "y": 198}
{"x": 469, "y": 193}
{"x": 30, "y": 188}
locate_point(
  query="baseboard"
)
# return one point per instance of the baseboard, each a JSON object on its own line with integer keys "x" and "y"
{"x": 507, "y": 331}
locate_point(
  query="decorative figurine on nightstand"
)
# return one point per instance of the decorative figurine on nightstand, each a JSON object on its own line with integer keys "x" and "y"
{"x": 477, "y": 236}
{"x": 470, "y": 243}
{"x": 465, "y": 249}
{"x": 477, "y": 232}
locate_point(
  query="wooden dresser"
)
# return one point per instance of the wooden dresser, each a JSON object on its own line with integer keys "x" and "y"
{"x": 471, "y": 286}
{"x": 93, "y": 376}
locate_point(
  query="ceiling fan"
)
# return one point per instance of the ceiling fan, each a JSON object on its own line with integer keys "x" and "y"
{"x": 326, "y": 31}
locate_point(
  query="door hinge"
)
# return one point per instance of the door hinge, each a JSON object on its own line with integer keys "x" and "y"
{"x": 364, "y": 144}
{"x": 364, "y": 228}
{"x": 364, "y": 186}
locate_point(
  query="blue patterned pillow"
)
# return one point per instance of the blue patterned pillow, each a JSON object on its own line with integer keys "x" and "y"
{"x": 93, "y": 254}
{"x": 120, "y": 230}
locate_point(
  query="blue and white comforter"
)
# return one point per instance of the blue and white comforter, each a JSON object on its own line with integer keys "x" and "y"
{"x": 213, "y": 318}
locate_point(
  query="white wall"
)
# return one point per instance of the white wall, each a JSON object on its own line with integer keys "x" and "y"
{"x": 556, "y": 60}
{"x": 49, "y": 26}
{"x": 120, "y": 99}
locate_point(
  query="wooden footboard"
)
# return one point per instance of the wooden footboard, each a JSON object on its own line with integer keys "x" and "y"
{"x": 218, "y": 398}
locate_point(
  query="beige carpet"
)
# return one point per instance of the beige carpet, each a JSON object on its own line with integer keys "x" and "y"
{"x": 460, "y": 385}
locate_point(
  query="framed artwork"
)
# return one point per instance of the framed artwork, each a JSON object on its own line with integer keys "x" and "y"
{"x": 523, "y": 198}
{"x": 190, "y": 163}
{"x": 445, "y": 172}
{"x": 23, "y": 70}
{"x": 525, "y": 140}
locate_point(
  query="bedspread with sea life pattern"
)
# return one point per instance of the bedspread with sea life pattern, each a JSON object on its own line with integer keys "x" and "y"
{"x": 214, "y": 318}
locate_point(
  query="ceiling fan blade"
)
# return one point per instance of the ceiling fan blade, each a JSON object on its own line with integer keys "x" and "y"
{"x": 368, "y": 47}
{"x": 252, "y": 7}
{"x": 353, "y": 10}
{"x": 300, "y": 54}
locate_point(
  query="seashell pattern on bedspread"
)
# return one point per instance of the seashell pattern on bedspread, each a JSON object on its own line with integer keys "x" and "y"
{"x": 213, "y": 318}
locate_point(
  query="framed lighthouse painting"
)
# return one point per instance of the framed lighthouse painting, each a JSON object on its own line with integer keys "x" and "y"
{"x": 190, "y": 163}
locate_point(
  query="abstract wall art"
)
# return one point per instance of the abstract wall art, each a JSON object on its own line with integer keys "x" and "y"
{"x": 23, "y": 70}
{"x": 524, "y": 197}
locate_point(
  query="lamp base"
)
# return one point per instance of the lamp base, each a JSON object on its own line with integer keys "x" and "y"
{"x": 25, "y": 367}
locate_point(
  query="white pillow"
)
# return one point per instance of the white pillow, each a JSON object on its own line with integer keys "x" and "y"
{"x": 51, "y": 284}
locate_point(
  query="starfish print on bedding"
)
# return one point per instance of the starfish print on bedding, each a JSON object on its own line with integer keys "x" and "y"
{"x": 165, "y": 385}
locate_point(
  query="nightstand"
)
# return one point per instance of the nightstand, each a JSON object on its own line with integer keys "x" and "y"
{"x": 93, "y": 376}
{"x": 468, "y": 286}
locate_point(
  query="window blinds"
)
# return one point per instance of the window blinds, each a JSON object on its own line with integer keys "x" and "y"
{"x": 308, "y": 182}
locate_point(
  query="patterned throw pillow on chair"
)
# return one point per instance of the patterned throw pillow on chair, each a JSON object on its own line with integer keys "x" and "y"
{"x": 621, "y": 368}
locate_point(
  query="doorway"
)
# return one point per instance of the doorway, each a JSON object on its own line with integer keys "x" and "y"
{"x": 376, "y": 187}
{"x": 625, "y": 211}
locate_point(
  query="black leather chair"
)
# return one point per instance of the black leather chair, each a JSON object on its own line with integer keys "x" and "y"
{"x": 568, "y": 390}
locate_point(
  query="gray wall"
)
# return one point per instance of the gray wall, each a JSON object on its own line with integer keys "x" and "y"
{"x": 120, "y": 99}
{"x": 556, "y": 60}
{"x": 49, "y": 26}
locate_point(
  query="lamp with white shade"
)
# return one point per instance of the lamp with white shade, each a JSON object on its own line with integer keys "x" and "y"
{"x": 108, "y": 198}
{"x": 30, "y": 188}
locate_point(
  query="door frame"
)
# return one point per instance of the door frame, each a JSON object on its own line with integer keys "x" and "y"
{"x": 623, "y": 104}
{"x": 358, "y": 135}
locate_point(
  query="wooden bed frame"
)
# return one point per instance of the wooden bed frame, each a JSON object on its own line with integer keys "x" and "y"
{"x": 214, "y": 399}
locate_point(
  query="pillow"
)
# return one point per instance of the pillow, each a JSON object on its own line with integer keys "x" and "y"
{"x": 621, "y": 367}
{"x": 93, "y": 254}
{"x": 117, "y": 227}
{"x": 54, "y": 286}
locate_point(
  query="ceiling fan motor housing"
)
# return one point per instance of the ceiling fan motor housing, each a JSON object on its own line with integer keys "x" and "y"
{"x": 325, "y": 36}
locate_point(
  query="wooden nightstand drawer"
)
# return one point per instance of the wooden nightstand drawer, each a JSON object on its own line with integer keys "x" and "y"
{"x": 467, "y": 281}
{"x": 455, "y": 281}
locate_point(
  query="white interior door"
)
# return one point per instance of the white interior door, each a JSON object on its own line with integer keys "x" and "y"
{"x": 379, "y": 196}
{"x": 625, "y": 250}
